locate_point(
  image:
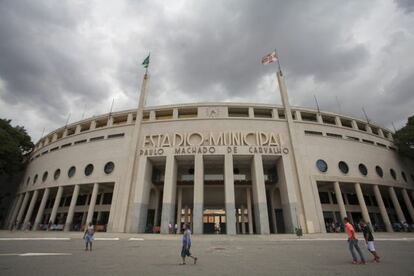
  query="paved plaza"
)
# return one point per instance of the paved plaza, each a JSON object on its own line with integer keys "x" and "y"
{"x": 60, "y": 253}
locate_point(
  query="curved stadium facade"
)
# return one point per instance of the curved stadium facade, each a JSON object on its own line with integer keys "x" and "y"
{"x": 228, "y": 168}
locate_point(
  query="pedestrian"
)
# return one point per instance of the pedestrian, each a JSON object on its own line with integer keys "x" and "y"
{"x": 369, "y": 239}
{"x": 88, "y": 236}
{"x": 186, "y": 245}
{"x": 176, "y": 228}
{"x": 353, "y": 243}
{"x": 169, "y": 228}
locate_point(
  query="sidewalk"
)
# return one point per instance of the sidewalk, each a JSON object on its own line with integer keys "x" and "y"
{"x": 273, "y": 237}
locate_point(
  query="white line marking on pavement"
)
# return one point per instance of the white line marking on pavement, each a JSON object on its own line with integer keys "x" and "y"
{"x": 36, "y": 254}
{"x": 338, "y": 239}
{"x": 106, "y": 239}
{"x": 135, "y": 239}
{"x": 34, "y": 239}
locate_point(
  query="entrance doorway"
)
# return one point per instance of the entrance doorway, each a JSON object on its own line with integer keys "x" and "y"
{"x": 214, "y": 221}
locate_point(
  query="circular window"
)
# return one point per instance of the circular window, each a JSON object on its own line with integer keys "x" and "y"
{"x": 363, "y": 169}
{"x": 56, "y": 174}
{"x": 343, "y": 167}
{"x": 28, "y": 180}
{"x": 403, "y": 176}
{"x": 88, "y": 169}
{"x": 321, "y": 165}
{"x": 109, "y": 167}
{"x": 392, "y": 172}
{"x": 379, "y": 171}
{"x": 35, "y": 179}
{"x": 44, "y": 177}
{"x": 72, "y": 171}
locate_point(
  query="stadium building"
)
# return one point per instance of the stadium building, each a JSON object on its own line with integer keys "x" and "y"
{"x": 222, "y": 167}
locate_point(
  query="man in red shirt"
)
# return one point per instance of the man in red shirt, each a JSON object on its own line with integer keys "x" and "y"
{"x": 353, "y": 242}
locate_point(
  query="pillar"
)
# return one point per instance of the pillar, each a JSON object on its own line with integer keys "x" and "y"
{"x": 143, "y": 185}
{"x": 71, "y": 211}
{"x": 362, "y": 205}
{"x": 198, "y": 194}
{"x": 30, "y": 210}
{"x": 157, "y": 205}
{"x": 179, "y": 208}
{"x": 15, "y": 211}
{"x": 259, "y": 196}
{"x": 408, "y": 204}
{"x": 229, "y": 195}
{"x": 41, "y": 210}
{"x": 383, "y": 211}
{"x": 186, "y": 214}
{"x": 249, "y": 210}
{"x": 168, "y": 200}
{"x": 272, "y": 208}
{"x": 340, "y": 200}
{"x": 396, "y": 204}
{"x": 56, "y": 205}
{"x": 92, "y": 204}
{"x": 22, "y": 208}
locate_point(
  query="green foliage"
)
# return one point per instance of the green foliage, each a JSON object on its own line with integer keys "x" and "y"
{"x": 14, "y": 144}
{"x": 404, "y": 139}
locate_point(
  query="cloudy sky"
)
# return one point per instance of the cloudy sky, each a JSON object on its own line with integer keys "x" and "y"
{"x": 73, "y": 57}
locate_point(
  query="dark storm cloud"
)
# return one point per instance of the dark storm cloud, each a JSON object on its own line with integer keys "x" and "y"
{"x": 57, "y": 57}
{"x": 406, "y": 5}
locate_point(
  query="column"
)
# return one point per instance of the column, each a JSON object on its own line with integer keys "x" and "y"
{"x": 229, "y": 195}
{"x": 383, "y": 211}
{"x": 179, "y": 207}
{"x": 143, "y": 184}
{"x": 249, "y": 210}
{"x": 22, "y": 208}
{"x": 41, "y": 210}
{"x": 272, "y": 207}
{"x": 408, "y": 204}
{"x": 243, "y": 220}
{"x": 168, "y": 200}
{"x": 98, "y": 218}
{"x": 362, "y": 205}
{"x": 56, "y": 205}
{"x": 259, "y": 196}
{"x": 186, "y": 214}
{"x": 71, "y": 211}
{"x": 157, "y": 205}
{"x": 198, "y": 194}
{"x": 340, "y": 200}
{"x": 396, "y": 204}
{"x": 30, "y": 210}
{"x": 92, "y": 204}
{"x": 12, "y": 220}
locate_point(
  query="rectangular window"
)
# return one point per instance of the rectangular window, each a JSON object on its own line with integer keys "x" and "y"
{"x": 184, "y": 113}
{"x": 120, "y": 120}
{"x": 53, "y": 149}
{"x": 80, "y": 142}
{"x": 381, "y": 145}
{"x": 309, "y": 117}
{"x": 66, "y": 145}
{"x": 70, "y": 131}
{"x": 346, "y": 123}
{"x": 352, "y": 138}
{"x": 107, "y": 199}
{"x": 164, "y": 114}
{"x": 361, "y": 126}
{"x": 145, "y": 116}
{"x": 392, "y": 148}
{"x": 368, "y": 141}
{"x": 281, "y": 113}
{"x": 324, "y": 197}
{"x": 85, "y": 127}
{"x": 309, "y": 132}
{"x": 238, "y": 111}
{"x": 333, "y": 135}
{"x": 101, "y": 123}
{"x": 374, "y": 130}
{"x": 96, "y": 138}
{"x": 118, "y": 135}
{"x": 262, "y": 113}
{"x": 45, "y": 152}
{"x": 328, "y": 120}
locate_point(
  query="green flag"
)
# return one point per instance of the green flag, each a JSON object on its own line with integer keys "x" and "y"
{"x": 146, "y": 61}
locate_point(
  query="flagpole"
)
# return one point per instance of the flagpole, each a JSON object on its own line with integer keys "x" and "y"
{"x": 301, "y": 222}
{"x": 135, "y": 211}
{"x": 317, "y": 104}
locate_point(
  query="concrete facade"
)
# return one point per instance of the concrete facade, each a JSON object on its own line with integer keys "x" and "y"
{"x": 228, "y": 168}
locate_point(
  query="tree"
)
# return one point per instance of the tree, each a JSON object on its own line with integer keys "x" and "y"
{"x": 15, "y": 145}
{"x": 404, "y": 139}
